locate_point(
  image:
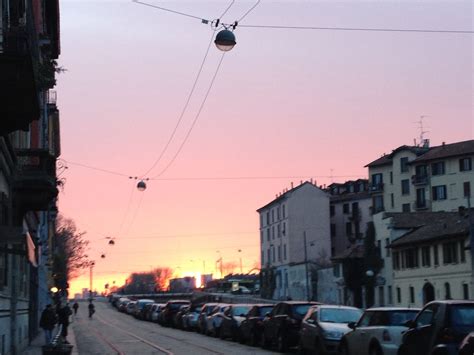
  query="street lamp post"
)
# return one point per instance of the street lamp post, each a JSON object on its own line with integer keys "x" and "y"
{"x": 240, "y": 260}
{"x": 91, "y": 268}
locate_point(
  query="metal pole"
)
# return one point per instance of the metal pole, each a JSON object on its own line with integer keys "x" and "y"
{"x": 471, "y": 235}
{"x": 90, "y": 280}
{"x": 306, "y": 266}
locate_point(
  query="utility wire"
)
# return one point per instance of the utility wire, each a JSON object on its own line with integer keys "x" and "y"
{"x": 188, "y": 99}
{"x": 95, "y": 168}
{"x": 169, "y": 10}
{"x": 228, "y": 8}
{"x": 359, "y": 29}
{"x": 249, "y": 11}
{"x": 190, "y": 235}
{"x": 194, "y": 121}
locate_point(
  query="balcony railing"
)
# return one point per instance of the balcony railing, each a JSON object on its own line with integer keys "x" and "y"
{"x": 419, "y": 179}
{"x": 35, "y": 182}
{"x": 375, "y": 188}
{"x": 421, "y": 205}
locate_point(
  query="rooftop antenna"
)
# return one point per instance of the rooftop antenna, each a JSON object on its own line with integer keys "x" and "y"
{"x": 422, "y": 130}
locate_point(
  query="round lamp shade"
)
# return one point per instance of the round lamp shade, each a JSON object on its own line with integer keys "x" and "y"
{"x": 225, "y": 40}
{"x": 141, "y": 186}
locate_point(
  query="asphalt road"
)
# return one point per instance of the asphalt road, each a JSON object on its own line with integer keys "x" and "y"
{"x": 112, "y": 332}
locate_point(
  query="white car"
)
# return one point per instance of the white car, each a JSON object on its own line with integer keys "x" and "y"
{"x": 378, "y": 332}
{"x": 155, "y": 311}
{"x": 214, "y": 320}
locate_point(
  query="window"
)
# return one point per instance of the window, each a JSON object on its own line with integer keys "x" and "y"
{"x": 345, "y": 208}
{"x": 447, "y": 291}
{"x": 283, "y": 211}
{"x": 273, "y": 215}
{"x": 279, "y": 230}
{"x": 387, "y": 249}
{"x": 3, "y": 269}
{"x": 465, "y": 164}
{"x": 278, "y": 213}
{"x": 391, "y": 177}
{"x": 420, "y": 198}
{"x": 392, "y": 200}
{"x": 405, "y": 187}
{"x": 268, "y": 234}
{"x": 427, "y": 316}
{"x": 439, "y": 192}
{"x": 396, "y": 260}
{"x": 425, "y": 256}
{"x": 336, "y": 270}
{"x": 377, "y": 179}
{"x": 365, "y": 319}
{"x": 462, "y": 251}
{"x": 399, "y": 295}
{"x": 450, "y": 255}
{"x": 279, "y": 253}
{"x": 406, "y": 207}
{"x": 273, "y": 254}
{"x": 348, "y": 229}
{"x": 403, "y": 165}
{"x": 377, "y": 204}
{"x": 435, "y": 255}
{"x": 381, "y": 296}
{"x": 268, "y": 256}
{"x": 355, "y": 209}
{"x": 333, "y": 230}
{"x": 467, "y": 189}
{"x": 268, "y": 218}
{"x": 465, "y": 291}
{"x": 332, "y": 210}
{"x": 284, "y": 251}
{"x": 273, "y": 232}
{"x": 411, "y": 258}
{"x": 390, "y": 297}
{"x": 283, "y": 231}
{"x": 438, "y": 168}
{"x": 412, "y": 294}
{"x": 379, "y": 248}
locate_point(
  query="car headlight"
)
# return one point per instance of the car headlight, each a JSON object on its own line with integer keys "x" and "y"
{"x": 333, "y": 335}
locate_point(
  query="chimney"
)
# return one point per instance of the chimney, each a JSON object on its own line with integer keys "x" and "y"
{"x": 292, "y": 184}
{"x": 426, "y": 143}
{"x": 443, "y": 144}
{"x": 301, "y": 182}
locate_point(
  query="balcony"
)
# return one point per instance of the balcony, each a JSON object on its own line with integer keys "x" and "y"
{"x": 421, "y": 205}
{"x": 35, "y": 184}
{"x": 418, "y": 180}
{"x": 355, "y": 215}
{"x": 19, "y": 103}
{"x": 376, "y": 188}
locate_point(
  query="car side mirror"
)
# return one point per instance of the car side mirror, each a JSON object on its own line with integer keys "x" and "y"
{"x": 410, "y": 324}
{"x": 268, "y": 314}
{"x": 310, "y": 321}
{"x": 351, "y": 325}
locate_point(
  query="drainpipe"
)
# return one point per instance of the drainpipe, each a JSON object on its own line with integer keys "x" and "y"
{"x": 13, "y": 306}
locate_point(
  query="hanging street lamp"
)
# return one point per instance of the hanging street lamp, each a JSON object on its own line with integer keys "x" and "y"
{"x": 225, "y": 40}
{"x": 141, "y": 186}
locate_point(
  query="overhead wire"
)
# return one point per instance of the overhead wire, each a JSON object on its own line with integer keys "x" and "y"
{"x": 249, "y": 11}
{"x": 227, "y": 9}
{"x": 183, "y": 111}
{"x": 194, "y": 121}
{"x": 169, "y": 10}
{"x": 95, "y": 168}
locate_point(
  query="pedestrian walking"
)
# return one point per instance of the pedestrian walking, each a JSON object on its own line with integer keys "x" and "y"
{"x": 48, "y": 322}
{"x": 63, "y": 319}
{"x": 75, "y": 306}
{"x": 91, "y": 309}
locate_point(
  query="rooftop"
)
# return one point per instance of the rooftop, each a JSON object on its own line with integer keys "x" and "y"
{"x": 387, "y": 159}
{"x": 447, "y": 151}
{"x": 286, "y": 194}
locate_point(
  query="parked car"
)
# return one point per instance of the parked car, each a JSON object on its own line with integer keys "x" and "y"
{"x": 206, "y": 310}
{"x": 439, "y": 328}
{"x": 467, "y": 345}
{"x": 232, "y": 318}
{"x": 282, "y": 325}
{"x": 147, "y": 311}
{"x": 139, "y": 308}
{"x": 130, "y": 309}
{"x": 251, "y": 326}
{"x": 122, "y": 304}
{"x": 178, "y": 317}
{"x": 170, "y": 310}
{"x": 156, "y": 309}
{"x": 378, "y": 331}
{"x": 323, "y": 327}
{"x": 214, "y": 320}
{"x": 190, "y": 319}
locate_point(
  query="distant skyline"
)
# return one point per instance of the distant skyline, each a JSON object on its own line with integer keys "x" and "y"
{"x": 284, "y": 103}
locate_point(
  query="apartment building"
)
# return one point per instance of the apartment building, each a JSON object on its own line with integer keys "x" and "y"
{"x": 294, "y": 239}
{"x": 423, "y": 178}
{"x": 29, "y": 146}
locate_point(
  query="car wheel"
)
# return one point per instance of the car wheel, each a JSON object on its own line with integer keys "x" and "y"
{"x": 375, "y": 350}
{"x": 221, "y": 334}
{"x": 281, "y": 343}
{"x": 344, "y": 349}
{"x": 254, "y": 339}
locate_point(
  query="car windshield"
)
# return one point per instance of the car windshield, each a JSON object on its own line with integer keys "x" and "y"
{"x": 339, "y": 315}
{"x": 300, "y": 309}
{"x": 175, "y": 306}
{"x": 399, "y": 318}
{"x": 264, "y": 310}
{"x": 462, "y": 316}
{"x": 241, "y": 310}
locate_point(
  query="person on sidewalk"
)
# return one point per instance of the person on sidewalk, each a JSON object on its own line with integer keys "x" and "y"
{"x": 91, "y": 309}
{"x": 63, "y": 319}
{"x": 47, "y": 322}
{"x": 75, "y": 306}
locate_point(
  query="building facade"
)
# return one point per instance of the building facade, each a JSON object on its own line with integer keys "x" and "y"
{"x": 29, "y": 130}
{"x": 294, "y": 242}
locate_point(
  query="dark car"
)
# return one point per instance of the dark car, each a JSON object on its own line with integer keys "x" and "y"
{"x": 178, "y": 317}
{"x": 251, "y": 326}
{"x": 170, "y": 310}
{"x": 206, "y": 310}
{"x": 439, "y": 328}
{"x": 233, "y": 316}
{"x": 324, "y": 326}
{"x": 146, "y": 312}
{"x": 190, "y": 319}
{"x": 138, "y": 311}
{"x": 282, "y": 325}
{"x": 467, "y": 345}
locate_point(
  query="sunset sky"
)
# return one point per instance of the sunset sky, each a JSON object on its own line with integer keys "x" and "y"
{"x": 285, "y": 103}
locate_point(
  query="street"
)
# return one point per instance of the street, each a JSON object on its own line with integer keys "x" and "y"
{"x": 112, "y": 332}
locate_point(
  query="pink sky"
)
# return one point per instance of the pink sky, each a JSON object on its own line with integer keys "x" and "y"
{"x": 285, "y": 103}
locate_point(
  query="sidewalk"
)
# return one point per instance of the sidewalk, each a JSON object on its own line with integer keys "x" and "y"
{"x": 38, "y": 342}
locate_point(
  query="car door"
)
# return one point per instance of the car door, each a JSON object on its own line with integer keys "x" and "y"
{"x": 272, "y": 324}
{"x": 422, "y": 335}
{"x": 356, "y": 338}
{"x": 309, "y": 329}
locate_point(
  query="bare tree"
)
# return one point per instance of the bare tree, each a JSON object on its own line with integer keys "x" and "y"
{"x": 69, "y": 252}
{"x": 162, "y": 278}
{"x": 229, "y": 267}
